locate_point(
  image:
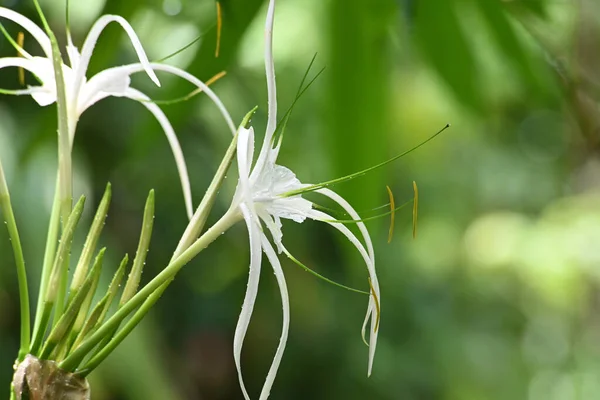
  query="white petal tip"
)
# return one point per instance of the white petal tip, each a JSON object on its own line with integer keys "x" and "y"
{"x": 154, "y": 79}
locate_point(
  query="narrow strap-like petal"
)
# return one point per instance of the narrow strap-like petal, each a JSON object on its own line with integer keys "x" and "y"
{"x": 251, "y": 291}
{"x": 137, "y": 67}
{"x": 90, "y": 43}
{"x": 270, "y": 72}
{"x": 245, "y": 152}
{"x": 173, "y": 142}
{"x": 106, "y": 83}
{"x": 30, "y": 27}
{"x": 285, "y": 304}
{"x": 352, "y": 212}
{"x": 38, "y": 66}
{"x": 195, "y": 81}
{"x": 271, "y": 92}
{"x": 373, "y": 311}
{"x": 321, "y": 216}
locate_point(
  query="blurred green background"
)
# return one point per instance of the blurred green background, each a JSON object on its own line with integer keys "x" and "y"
{"x": 497, "y": 298}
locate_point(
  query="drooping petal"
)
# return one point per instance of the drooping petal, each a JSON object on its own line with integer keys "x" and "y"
{"x": 30, "y": 27}
{"x": 40, "y": 67}
{"x": 373, "y": 310}
{"x": 118, "y": 73}
{"x": 173, "y": 142}
{"x": 90, "y": 43}
{"x": 251, "y": 291}
{"x": 274, "y": 226}
{"x": 195, "y": 81}
{"x": 285, "y": 304}
{"x": 352, "y": 212}
{"x": 321, "y": 216}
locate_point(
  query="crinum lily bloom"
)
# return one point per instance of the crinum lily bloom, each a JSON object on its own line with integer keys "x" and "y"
{"x": 82, "y": 93}
{"x": 267, "y": 193}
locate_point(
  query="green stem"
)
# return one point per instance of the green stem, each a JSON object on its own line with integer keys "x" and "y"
{"x": 64, "y": 142}
{"x": 41, "y": 317}
{"x": 147, "y": 292}
{"x": 13, "y": 232}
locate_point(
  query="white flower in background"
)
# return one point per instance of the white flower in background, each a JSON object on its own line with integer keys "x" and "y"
{"x": 82, "y": 93}
{"x": 266, "y": 193}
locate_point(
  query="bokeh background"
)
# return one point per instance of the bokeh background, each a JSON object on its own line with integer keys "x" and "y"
{"x": 497, "y": 298}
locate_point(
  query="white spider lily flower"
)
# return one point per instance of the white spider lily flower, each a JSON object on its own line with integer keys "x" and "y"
{"x": 82, "y": 93}
{"x": 264, "y": 196}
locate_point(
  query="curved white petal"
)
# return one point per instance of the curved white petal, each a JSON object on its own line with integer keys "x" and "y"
{"x": 90, "y": 43}
{"x": 137, "y": 67}
{"x": 245, "y": 152}
{"x": 40, "y": 67}
{"x": 375, "y": 316}
{"x": 371, "y": 309}
{"x": 274, "y": 226}
{"x": 110, "y": 82}
{"x": 192, "y": 79}
{"x": 251, "y": 291}
{"x": 30, "y": 27}
{"x": 173, "y": 142}
{"x": 285, "y": 304}
{"x": 352, "y": 212}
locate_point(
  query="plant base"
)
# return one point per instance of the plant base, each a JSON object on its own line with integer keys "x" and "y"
{"x": 36, "y": 379}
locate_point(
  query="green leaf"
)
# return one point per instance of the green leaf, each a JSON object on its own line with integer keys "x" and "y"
{"x": 444, "y": 44}
{"x": 91, "y": 241}
{"x": 139, "y": 261}
{"x": 63, "y": 328}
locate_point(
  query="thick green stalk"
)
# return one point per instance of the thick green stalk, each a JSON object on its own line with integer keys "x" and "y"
{"x": 75, "y": 358}
{"x": 13, "y": 232}
{"x": 49, "y": 253}
{"x": 59, "y": 268}
{"x": 64, "y": 142}
{"x": 199, "y": 219}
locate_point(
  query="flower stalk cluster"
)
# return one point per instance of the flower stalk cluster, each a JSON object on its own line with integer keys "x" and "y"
{"x": 71, "y": 334}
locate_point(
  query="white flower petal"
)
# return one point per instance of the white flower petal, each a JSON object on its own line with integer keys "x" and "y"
{"x": 352, "y": 212}
{"x": 274, "y": 226}
{"x": 251, "y": 291}
{"x": 40, "y": 67}
{"x": 110, "y": 82}
{"x": 371, "y": 309}
{"x": 270, "y": 71}
{"x": 30, "y": 27}
{"x": 267, "y": 147}
{"x": 192, "y": 79}
{"x": 173, "y": 142}
{"x": 285, "y": 304}
{"x": 137, "y": 67}
{"x": 90, "y": 43}
{"x": 245, "y": 152}
{"x": 73, "y": 53}
{"x": 321, "y": 216}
